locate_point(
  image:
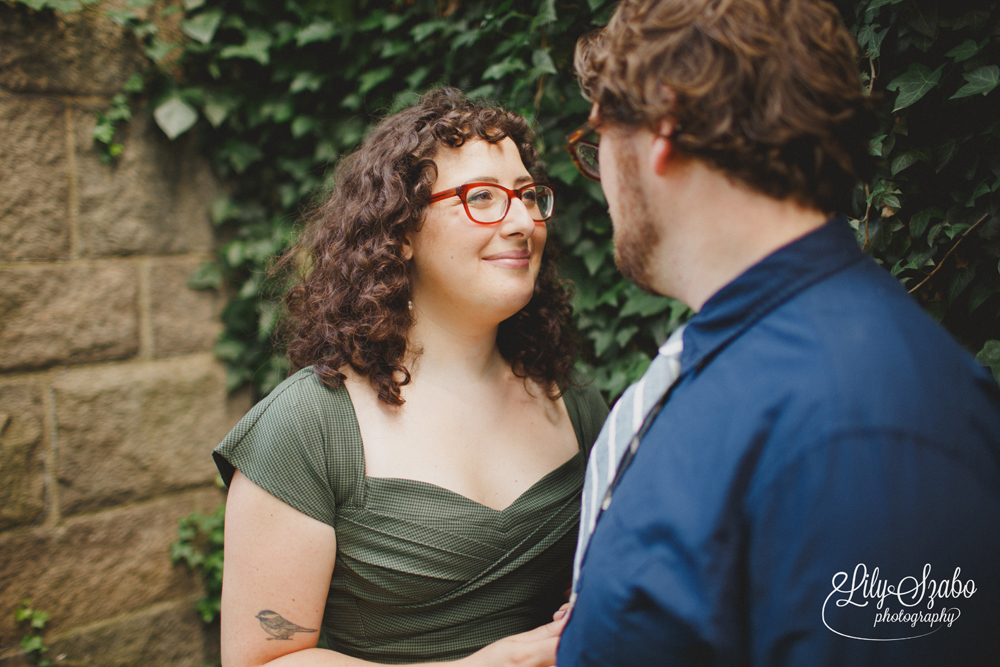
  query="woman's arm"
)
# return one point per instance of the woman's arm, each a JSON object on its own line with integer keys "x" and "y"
{"x": 278, "y": 565}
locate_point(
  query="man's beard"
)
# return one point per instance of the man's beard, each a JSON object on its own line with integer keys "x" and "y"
{"x": 635, "y": 235}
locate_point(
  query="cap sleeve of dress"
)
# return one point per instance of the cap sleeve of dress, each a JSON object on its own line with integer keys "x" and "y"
{"x": 298, "y": 444}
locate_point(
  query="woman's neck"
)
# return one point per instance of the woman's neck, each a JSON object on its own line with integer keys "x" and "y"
{"x": 452, "y": 351}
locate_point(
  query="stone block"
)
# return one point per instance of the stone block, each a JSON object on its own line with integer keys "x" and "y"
{"x": 67, "y": 313}
{"x": 34, "y": 220}
{"x": 79, "y": 53}
{"x": 168, "y": 635}
{"x": 133, "y": 431}
{"x": 152, "y": 201}
{"x": 99, "y": 566}
{"x": 184, "y": 320}
{"x": 22, "y": 454}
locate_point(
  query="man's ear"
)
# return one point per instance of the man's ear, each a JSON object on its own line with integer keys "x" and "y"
{"x": 662, "y": 148}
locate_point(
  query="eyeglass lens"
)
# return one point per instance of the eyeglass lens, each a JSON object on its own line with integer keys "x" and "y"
{"x": 489, "y": 204}
{"x": 587, "y": 154}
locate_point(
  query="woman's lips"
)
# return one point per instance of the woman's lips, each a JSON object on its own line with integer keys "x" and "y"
{"x": 512, "y": 259}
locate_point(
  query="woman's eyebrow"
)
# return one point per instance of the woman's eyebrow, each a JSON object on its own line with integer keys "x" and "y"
{"x": 492, "y": 179}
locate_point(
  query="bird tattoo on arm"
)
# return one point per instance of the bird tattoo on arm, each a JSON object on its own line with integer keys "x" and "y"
{"x": 276, "y": 626}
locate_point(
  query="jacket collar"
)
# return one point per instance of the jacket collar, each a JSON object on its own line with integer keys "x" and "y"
{"x": 766, "y": 285}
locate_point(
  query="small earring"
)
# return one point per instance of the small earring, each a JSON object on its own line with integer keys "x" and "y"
{"x": 409, "y": 304}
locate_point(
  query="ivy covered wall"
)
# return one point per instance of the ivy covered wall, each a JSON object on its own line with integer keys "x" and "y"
{"x": 276, "y": 91}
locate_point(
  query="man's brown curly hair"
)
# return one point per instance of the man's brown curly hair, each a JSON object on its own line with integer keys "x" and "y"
{"x": 350, "y": 306}
{"x": 767, "y": 91}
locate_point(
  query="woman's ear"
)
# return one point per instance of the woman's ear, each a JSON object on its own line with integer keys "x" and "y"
{"x": 407, "y": 248}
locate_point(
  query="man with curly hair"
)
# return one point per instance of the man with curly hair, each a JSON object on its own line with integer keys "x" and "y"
{"x": 816, "y": 481}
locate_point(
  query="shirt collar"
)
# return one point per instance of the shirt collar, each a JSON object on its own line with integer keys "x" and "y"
{"x": 765, "y": 285}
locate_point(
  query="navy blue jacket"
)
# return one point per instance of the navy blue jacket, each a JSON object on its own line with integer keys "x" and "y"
{"x": 823, "y": 426}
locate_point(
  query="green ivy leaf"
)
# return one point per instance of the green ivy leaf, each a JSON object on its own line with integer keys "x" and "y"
{"x": 416, "y": 77}
{"x": 393, "y": 48}
{"x": 966, "y": 50}
{"x": 504, "y": 67}
{"x": 159, "y": 49}
{"x": 175, "y": 117}
{"x": 546, "y": 13}
{"x": 135, "y": 84}
{"x": 542, "y": 61}
{"x": 203, "y": 26}
{"x": 486, "y": 91}
{"x": 914, "y": 84}
{"x": 910, "y": 158}
{"x": 422, "y": 31}
{"x": 903, "y": 161}
{"x": 592, "y": 254}
{"x": 278, "y": 110}
{"x": 39, "y": 619}
{"x": 306, "y": 81}
{"x": 317, "y": 31}
{"x": 33, "y": 644}
{"x": 625, "y": 334}
{"x": 980, "y": 293}
{"x": 981, "y": 189}
{"x": 644, "y": 305}
{"x": 216, "y": 110}
{"x": 960, "y": 282}
{"x": 603, "y": 339}
{"x": 372, "y": 78}
{"x": 990, "y": 356}
{"x": 466, "y": 38}
{"x": 191, "y": 5}
{"x": 207, "y": 276}
{"x": 241, "y": 155}
{"x": 869, "y": 37}
{"x": 303, "y": 125}
{"x": 918, "y": 222}
{"x": 980, "y": 80}
{"x": 875, "y": 146}
{"x": 923, "y": 18}
{"x": 392, "y": 21}
{"x": 256, "y": 47}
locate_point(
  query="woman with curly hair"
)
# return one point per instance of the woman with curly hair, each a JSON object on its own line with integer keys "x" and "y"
{"x": 412, "y": 490}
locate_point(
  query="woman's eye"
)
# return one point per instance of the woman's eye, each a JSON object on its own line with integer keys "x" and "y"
{"x": 480, "y": 197}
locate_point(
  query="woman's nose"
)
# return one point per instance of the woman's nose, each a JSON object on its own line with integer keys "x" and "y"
{"x": 517, "y": 220}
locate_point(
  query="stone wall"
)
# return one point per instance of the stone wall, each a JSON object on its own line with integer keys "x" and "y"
{"x": 110, "y": 398}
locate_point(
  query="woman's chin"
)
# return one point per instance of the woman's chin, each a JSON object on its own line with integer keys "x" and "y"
{"x": 512, "y": 308}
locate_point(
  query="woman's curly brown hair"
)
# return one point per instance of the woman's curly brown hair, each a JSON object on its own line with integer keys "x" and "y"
{"x": 767, "y": 91}
{"x": 350, "y": 306}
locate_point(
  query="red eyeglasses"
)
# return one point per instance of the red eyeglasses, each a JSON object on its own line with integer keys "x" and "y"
{"x": 487, "y": 203}
{"x": 585, "y": 153}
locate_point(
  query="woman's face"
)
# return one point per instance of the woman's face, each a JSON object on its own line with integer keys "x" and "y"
{"x": 470, "y": 270}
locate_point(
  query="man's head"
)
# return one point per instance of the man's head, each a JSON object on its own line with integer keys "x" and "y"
{"x": 765, "y": 91}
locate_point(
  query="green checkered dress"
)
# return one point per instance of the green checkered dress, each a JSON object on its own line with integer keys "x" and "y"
{"x": 422, "y": 573}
